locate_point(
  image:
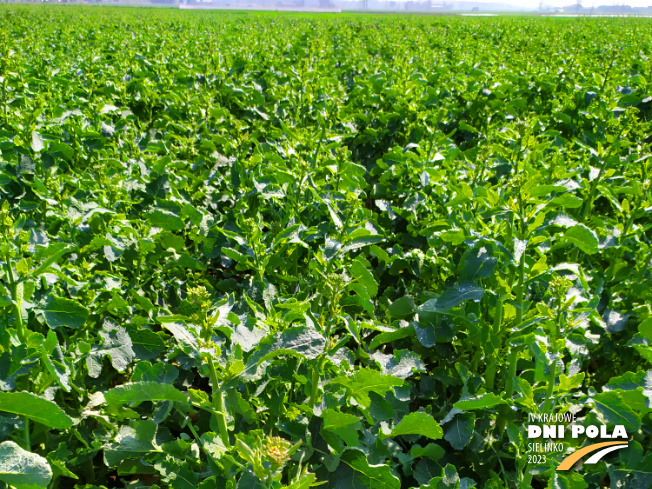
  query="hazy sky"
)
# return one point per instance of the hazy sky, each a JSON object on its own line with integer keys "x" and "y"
{"x": 589, "y": 3}
{"x": 529, "y": 4}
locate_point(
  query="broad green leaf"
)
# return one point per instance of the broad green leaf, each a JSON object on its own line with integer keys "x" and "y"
{"x": 111, "y": 254}
{"x": 568, "y": 201}
{"x": 425, "y": 333}
{"x": 165, "y": 219}
{"x": 200, "y": 399}
{"x": 164, "y": 373}
{"x": 185, "y": 338}
{"x": 431, "y": 450}
{"x": 459, "y": 431}
{"x": 305, "y": 482}
{"x": 380, "y": 409}
{"x": 108, "y": 108}
{"x": 355, "y": 472}
{"x": 35, "y": 408}
{"x": 364, "y": 276}
{"x": 231, "y": 235}
{"x": 63, "y": 149}
{"x": 144, "y": 391}
{"x": 418, "y": 423}
{"x": 527, "y": 392}
{"x": 361, "y": 242}
{"x": 213, "y": 444}
{"x": 331, "y": 212}
{"x": 427, "y": 471}
{"x": 298, "y": 341}
{"x": 364, "y": 381}
{"x": 567, "y": 480}
{"x": 615, "y": 320}
{"x": 404, "y": 331}
{"x": 331, "y": 248}
{"x": 514, "y": 435}
{"x": 452, "y": 297}
{"x": 26, "y": 165}
{"x": 37, "y": 142}
{"x": 402, "y": 364}
{"x": 291, "y": 233}
{"x": 478, "y": 263}
{"x": 346, "y": 426}
{"x": 520, "y": 246}
{"x": 645, "y": 328}
{"x": 58, "y": 459}
{"x": 483, "y": 401}
{"x": 569, "y": 383}
{"x": 249, "y": 481}
{"x": 449, "y": 479}
{"x": 22, "y": 469}
{"x": 61, "y": 312}
{"x": 453, "y": 236}
{"x": 116, "y": 344}
{"x": 247, "y": 336}
{"x": 235, "y": 255}
{"x": 541, "y": 190}
{"x": 632, "y": 381}
{"x": 187, "y": 261}
{"x": 639, "y": 80}
{"x": 584, "y": 238}
{"x": 192, "y": 213}
{"x": 55, "y": 363}
{"x": 563, "y": 220}
{"x": 612, "y": 407}
{"x": 132, "y": 442}
{"x": 176, "y": 474}
{"x": 645, "y": 351}
{"x": 145, "y": 343}
{"x": 403, "y": 307}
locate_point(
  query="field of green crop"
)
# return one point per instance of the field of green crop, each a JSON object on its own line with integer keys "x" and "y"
{"x": 265, "y": 251}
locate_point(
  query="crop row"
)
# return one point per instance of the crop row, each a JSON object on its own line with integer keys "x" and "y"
{"x": 254, "y": 250}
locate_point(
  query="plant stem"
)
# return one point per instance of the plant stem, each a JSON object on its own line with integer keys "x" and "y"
{"x": 218, "y": 404}
{"x": 513, "y": 354}
{"x": 214, "y": 468}
{"x": 26, "y": 437}
{"x": 17, "y": 296}
{"x": 619, "y": 251}
{"x": 512, "y": 360}
{"x": 490, "y": 374}
{"x": 551, "y": 387}
{"x": 519, "y": 290}
{"x": 526, "y": 482}
{"x": 554, "y": 334}
{"x": 588, "y": 203}
{"x": 4, "y": 98}
{"x": 315, "y": 386}
{"x": 315, "y": 382}
{"x": 479, "y": 338}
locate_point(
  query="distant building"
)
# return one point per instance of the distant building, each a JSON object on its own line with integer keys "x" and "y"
{"x": 614, "y": 9}
{"x": 576, "y": 9}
